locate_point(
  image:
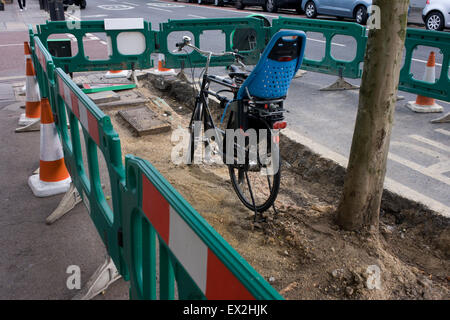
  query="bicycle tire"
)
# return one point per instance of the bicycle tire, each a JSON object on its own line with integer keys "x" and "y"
{"x": 246, "y": 199}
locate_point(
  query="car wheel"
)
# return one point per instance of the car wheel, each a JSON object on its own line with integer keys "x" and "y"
{"x": 218, "y": 3}
{"x": 310, "y": 10}
{"x": 361, "y": 15}
{"x": 270, "y": 6}
{"x": 239, "y": 5}
{"x": 435, "y": 21}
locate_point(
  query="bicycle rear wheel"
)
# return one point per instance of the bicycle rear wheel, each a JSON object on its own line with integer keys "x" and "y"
{"x": 257, "y": 183}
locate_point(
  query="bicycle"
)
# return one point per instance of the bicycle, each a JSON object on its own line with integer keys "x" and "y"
{"x": 255, "y": 114}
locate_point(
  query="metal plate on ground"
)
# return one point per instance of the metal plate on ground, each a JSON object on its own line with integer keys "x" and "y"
{"x": 144, "y": 121}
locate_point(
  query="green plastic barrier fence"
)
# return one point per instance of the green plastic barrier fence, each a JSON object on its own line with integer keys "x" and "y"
{"x": 117, "y": 60}
{"x": 196, "y": 27}
{"x": 41, "y": 58}
{"x": 145, "y": 207}
{"x": 190, "y": 250}
{"x": 156, "y": 42}
{"x": 329, "y": 29}
{"x": 98, "y": 132}
{"x": 96, "y": 127}
{"x": 435, "y": 40}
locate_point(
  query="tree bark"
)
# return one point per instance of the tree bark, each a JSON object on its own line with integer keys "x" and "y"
{"x": 360, "y": 203}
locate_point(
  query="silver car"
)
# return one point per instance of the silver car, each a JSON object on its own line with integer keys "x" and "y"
{"x": 436, "y": 14}
{"x": 354, "y": 9}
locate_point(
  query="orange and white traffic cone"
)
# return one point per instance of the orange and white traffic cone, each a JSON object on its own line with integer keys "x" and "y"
{"x": 53, "y": 177}
{"x": 425, "y": 104}
{"x": 32, "y": 103}
{"x": 27, "y": 53}
{"x": 160, "y": 69}
{"x": 117, "y": 74}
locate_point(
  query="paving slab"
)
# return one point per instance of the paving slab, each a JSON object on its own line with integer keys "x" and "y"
{"x": 104, "y": 97}
{"x": 144, "y": 121}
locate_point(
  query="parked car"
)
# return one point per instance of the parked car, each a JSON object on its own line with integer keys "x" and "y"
{"x": 271, "y": 5}
{"x": 217, "y": 3}
{"x": 436, "y": 14}
{"x": 80, "y": 3}
{"x": 353, "y": 9}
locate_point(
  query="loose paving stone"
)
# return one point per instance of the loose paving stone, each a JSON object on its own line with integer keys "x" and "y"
{"x": 144, "y": 121}
{"x": 104, "y": 97}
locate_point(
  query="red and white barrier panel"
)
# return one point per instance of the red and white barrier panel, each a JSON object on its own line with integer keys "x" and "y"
{"x": 41, "y": 58}
{"x": 87, "y": 119}
{"x": 209, "y": 273}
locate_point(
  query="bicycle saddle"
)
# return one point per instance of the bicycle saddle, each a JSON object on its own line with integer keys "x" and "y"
{"x": 235, "y": 72}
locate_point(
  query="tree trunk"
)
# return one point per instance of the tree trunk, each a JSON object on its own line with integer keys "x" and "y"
{"x": 360, "y": 204}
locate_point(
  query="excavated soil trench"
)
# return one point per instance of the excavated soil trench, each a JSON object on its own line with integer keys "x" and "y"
{"x": 301, "y": 252}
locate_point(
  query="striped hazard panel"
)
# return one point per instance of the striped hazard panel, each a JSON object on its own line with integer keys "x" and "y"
{"x": 87, "y": 119}
{"x": 208, "y": 272}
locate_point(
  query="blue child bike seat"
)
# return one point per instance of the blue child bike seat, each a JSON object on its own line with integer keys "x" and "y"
{"x": 280, "y": 61}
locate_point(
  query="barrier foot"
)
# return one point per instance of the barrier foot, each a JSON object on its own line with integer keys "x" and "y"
{"x": 300, "y": 73}
{"x": 35, "y": 126}
{"x": 340, "y": 84}
{"x": 68, "y": 202}
{"x": 443, "y": 119}
{"x": 105, "y": 275}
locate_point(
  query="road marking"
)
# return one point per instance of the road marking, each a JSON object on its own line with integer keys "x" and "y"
{"x": 115, "y": 7}
{"x": 11, "y": 45}
{"x": 194, "y": 16}
{"x": 421, "y": 169}
{"x": 323, "y": 41}
{"x": 12, "y": 78}
{"x": 431, "y": 153}
{"x": 96, "y": 16}
{"x": 389, "y": 183}
{"x": 160, "y": 9}
{"x": 430, "y": 142}
{"x": 165, "y": 5}
{"x": 443, "y": 131}
{"x": 423, "y": 61}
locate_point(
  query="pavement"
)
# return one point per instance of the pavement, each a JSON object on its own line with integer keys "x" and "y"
{"x": 12, "y": 19}
{"x": 35, "y": 256}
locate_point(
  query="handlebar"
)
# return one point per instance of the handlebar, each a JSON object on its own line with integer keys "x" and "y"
{"x": 187, "y": 43}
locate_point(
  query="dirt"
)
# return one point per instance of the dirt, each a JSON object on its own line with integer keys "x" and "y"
{"x": 301, "y": 251}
